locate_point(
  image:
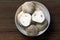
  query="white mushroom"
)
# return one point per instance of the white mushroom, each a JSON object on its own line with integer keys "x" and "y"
{"x": 28, "y": 7}
{"x": 24, "y": 18}
{"x": 38, "y": 16}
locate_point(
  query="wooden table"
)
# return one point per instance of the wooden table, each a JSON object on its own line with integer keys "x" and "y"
{"x": 8, "y": 30}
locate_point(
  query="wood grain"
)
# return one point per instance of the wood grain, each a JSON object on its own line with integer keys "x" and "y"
{"x": 8, "y": 30}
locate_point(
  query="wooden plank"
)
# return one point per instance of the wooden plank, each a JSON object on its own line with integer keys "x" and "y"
{"x": 8, "y": 30}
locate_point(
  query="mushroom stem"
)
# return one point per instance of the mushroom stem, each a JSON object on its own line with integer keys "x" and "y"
{"x": 38, "y": 16}
{"x": 24, "y": 19}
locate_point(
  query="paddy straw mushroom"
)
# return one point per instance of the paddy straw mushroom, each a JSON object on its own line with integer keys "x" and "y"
{"x": 24, "y": 16}
{"x": 32, "y": 30}
{"x": 28, "y": 7}
{"x": 42, "y": 26}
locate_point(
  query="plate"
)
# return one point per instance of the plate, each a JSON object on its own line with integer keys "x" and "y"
{"x": 46, "y": 13}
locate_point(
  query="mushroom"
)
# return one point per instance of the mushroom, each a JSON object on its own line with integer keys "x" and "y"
{"x": 32, "y": 30}
{"x": 38, "y": 16}
{"x": 42, "y": 26}
{"x": 28, "y": 7}
{"x": 24, "y": 18}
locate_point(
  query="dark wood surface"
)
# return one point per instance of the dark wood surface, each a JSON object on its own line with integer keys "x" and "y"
{"x": 8, "y": 30}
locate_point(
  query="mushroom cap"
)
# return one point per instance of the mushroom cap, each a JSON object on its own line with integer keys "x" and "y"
{"x": 28, "y": 7}
{"x": 32, "y": 30}
{"x": 42, "y": 26}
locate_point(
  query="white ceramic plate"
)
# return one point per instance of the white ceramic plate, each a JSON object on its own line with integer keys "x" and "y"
{"x": 47, "y": 15}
